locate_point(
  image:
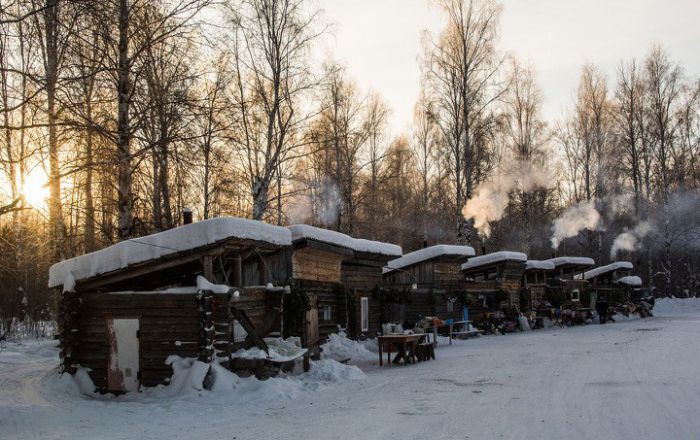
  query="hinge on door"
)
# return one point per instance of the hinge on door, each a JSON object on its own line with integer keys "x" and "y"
{"x": 138, "y": 334}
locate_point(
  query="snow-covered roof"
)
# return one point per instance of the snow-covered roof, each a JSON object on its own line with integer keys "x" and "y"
{"x": 617, "y": 265}
{"x": 630, "y": 280}
{"x": 154, "y": 246}
{"x": 495, "y": 257}
{"x": 577, "y": 261}
{"x": 429, "y": 253}
{"x": 300, "y": 232}
{"x": 539, "y": 265}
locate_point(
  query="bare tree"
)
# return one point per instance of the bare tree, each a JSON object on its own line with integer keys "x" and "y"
{"x": 272, "y": 39}
{"x": 464, "y": 68}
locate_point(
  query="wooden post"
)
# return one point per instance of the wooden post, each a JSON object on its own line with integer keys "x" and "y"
{"x": 208, "y": 267}
{"x": 208, "y": 330}
{"x": 238, "y": 271}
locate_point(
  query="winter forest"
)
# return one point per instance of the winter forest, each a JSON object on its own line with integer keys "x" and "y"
{"x": 118, "y": 115}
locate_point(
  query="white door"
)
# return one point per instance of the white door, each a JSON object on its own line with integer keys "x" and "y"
{"x": 123, "y": 368}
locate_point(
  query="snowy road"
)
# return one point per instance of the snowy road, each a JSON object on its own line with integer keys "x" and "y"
{"x": 629, "y": 380}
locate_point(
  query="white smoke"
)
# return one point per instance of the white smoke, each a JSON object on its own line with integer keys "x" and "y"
{"x": 574, "y": 220}
{"x": 491, "y": 198}
{"x": 318, "y": 204}
{"x": 630, "y": 240}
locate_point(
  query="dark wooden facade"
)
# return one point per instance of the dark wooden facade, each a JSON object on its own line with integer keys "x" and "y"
{"x": 169, "y": 324}
{"x": 316, "y": 271}
{"x": 533, "y": 293}
{"x": 362, "y": 281}
{"x": 495, "y": 285}
{"x": 604, "y": 287}
{"x": 433, "y": 287}
{"x": 566, "y": 287}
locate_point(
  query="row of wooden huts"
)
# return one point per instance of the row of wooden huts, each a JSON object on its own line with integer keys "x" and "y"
{"x": 211, "y": 288}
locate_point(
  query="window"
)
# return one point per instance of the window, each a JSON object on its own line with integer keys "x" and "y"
{"x": 364, "y": 314}
{"x": 575, "y": 295}
{"x": 325, "y": 313}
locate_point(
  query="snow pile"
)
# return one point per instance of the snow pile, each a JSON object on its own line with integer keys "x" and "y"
{"x": 340, "y": 348}
{"x": 673, "y": 306}
{"x": 633, "y": 281}
{"x": 306, "y": 232}
{"x": 164, "y": 243}
{"x": 576, "y": 261}
{"x": 617, "y": 265}
{"x": 495, "y": 257}
{"x": 429, "y": 253}
{"x": 204, "y": 284}
{"x": 279, "y": 350}
{"x": 539, "y": 265}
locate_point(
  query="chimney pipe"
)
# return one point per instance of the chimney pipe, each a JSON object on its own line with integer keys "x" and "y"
{"x": 186, "y": 216}
{"x": 483, "y": 250}
{"x": 425, "y": 244}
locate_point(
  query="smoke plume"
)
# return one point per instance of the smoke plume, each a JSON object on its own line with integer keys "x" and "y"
{"x": 574, "y": 220}
{"x": 630, "y": 240}
{"x": 491, "y": 198}
{"x": 319, "y": 204}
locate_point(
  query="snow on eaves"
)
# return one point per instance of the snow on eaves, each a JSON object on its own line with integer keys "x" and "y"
{"x": 617, "y": 265}
{"x": 154, "y": 246}
{"x": 578, "y": 261}
{"x": 306, "y": 232}
{"x": 630, "y": 280}
{"x": 429, "y": 253}
{"x": 539, "y": 265}
{"x": 495, "y": 257}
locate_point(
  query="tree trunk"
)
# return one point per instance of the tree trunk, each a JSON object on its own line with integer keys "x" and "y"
{"x": 124, "y": 190}
{"x": 55, "y": 211}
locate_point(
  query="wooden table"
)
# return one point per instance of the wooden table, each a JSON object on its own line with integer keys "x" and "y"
{"x": 405, "y": 347}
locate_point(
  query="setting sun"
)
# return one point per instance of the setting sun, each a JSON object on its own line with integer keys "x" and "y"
{"x": 36, "y": 189}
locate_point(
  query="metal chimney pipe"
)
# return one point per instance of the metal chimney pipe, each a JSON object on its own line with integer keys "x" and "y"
{"x": 186, "y": 216}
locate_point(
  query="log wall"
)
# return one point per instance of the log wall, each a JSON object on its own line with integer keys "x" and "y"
{"x": 170, "y": 324}
{"x": 362, "y": 278}
{"x": 315, "y": 265}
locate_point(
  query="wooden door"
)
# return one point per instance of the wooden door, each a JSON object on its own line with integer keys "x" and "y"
{"x": 123, "y": 360}
{"x": 311, "y": 332}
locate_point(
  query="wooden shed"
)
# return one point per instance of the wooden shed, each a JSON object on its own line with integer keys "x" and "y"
{"x": 495, "y": 279}
{"x": 566, "y": 288}
{"x": 316, "y": 260}
{"x": 613, "y": 282}
{"x": 533, "y": 287}
{"x": 426, "y": 282}
{"x": 126, "y": 308}
{"x": 341, "y": 275}
{"x": 362, "y": 279}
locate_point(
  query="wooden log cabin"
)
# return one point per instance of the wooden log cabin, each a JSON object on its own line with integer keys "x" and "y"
{"x": 613, "y": 282}
{"x": 341, "y": 275}
{"x": 533, "y": 291}
{"x": 426, "y": 282}
{"x": 493, "y": 280}
{"x": 126, "y": 308}
{"x": 362, "y": 279}
{"x": 565, "y": 288}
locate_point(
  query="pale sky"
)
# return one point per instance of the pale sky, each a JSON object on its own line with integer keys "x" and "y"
{"x": 380, "y": 40}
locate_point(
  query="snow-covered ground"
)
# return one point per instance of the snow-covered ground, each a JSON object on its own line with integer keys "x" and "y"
{"x": 634, "y": 379}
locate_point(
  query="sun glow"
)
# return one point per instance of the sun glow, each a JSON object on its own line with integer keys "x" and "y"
{"x": 36, "y": 189}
